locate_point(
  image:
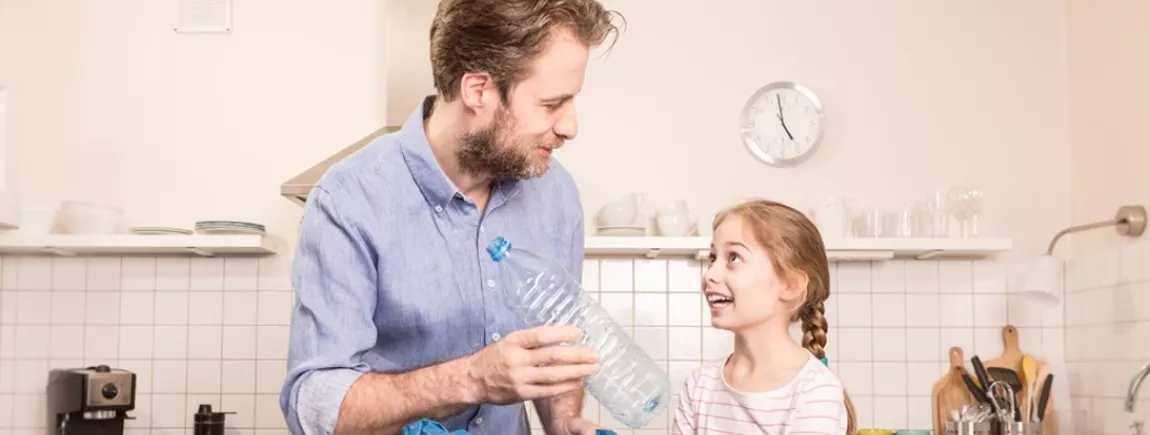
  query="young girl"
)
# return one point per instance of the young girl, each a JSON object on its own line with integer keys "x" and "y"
{"x": 768, "y": 268}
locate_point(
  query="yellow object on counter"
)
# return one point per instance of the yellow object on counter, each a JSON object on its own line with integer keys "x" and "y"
{"x": 875, "y": 432}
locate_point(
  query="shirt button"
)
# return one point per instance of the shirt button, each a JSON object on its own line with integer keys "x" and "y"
{"x": 478, "y": 421}
{"x": 482, "y": 228}
{"x": 495, "y": 336}
{"x": 491, "y": 283}
{"x": 439, "y": 209}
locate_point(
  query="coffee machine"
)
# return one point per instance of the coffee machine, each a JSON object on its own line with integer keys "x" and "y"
{"x": 90, "y": 401}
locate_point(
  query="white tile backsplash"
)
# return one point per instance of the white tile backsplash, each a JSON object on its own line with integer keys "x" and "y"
{"x": 1106, "y": 338}
{"x": 214, "y": 330}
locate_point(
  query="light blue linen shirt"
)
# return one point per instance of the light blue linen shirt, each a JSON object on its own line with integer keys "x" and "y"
{"x": 391, "y": 274}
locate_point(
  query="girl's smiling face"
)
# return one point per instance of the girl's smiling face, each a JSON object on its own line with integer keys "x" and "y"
{"x": 741, "y": 284}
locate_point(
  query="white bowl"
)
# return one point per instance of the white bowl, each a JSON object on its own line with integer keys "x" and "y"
{"x": 78, "y": 217}
{"x": 673, "y": 225}
{"x": 617, "y": 214}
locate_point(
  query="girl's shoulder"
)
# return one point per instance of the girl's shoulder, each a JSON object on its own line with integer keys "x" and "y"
{"x": 710, "y": 372}
{"x": 813, "y": 379}
{"x": 817, "y": 378}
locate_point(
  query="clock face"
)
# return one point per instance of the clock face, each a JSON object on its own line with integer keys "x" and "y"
{"x": 782, "y": 124}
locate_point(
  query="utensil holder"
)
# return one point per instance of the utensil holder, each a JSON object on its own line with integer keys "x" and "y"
{"x": 1019, "y": 428}
{"x": 969, "y": 428}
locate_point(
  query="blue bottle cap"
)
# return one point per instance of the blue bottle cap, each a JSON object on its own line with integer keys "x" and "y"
{"x": 605, "y": 432}
{"x": 498, "y": 249}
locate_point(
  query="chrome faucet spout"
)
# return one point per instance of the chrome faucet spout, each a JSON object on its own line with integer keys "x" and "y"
{"x": 1135, "y": 384}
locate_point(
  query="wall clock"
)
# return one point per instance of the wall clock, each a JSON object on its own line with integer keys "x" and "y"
{"x": 782, "y": 124}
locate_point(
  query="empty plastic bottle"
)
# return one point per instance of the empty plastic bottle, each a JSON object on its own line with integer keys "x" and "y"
{"x": 629, "y": 384}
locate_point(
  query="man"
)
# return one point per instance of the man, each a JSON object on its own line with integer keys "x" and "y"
{"x": 399, "y": 314}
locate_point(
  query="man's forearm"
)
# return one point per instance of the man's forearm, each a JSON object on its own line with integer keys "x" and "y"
{"x": 554, "y": 410}
{"x": 382, "y": 403}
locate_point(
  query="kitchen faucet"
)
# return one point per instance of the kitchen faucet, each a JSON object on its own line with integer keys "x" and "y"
{"x": 1132, "y": 395}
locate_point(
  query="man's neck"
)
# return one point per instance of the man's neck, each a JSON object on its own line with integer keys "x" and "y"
{"x": 443, "y": 134}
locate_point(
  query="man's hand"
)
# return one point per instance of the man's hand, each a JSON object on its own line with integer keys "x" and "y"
{"x": 525, "y": 366}
{"x": 578, "y": 426}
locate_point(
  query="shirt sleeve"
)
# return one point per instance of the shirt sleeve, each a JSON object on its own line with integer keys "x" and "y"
{"x": 334, "y": 278}
{"x": 685, "y": 422}
{"x": 819, "y": 409}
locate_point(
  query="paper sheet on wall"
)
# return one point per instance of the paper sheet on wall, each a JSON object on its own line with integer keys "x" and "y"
{"x": 203, "y": 15}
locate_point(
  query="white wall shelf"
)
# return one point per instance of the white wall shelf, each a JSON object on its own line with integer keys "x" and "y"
{"x": 201, "y": 245}
{"x": 861, "y": 249}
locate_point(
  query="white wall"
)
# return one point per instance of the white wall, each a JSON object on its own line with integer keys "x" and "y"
{"x": 178, "y": 128}
{"x": 918, "y": 96}
{"x": 1108, "y": 106}
{"x": 109, "y": 104}
{"x": 1107, "y": 288}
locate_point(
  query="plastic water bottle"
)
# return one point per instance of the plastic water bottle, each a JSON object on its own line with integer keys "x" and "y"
{"x": 542, "y": 292}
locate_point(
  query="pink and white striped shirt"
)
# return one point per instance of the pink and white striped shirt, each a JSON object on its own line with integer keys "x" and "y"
{"x": 811, "y": 404}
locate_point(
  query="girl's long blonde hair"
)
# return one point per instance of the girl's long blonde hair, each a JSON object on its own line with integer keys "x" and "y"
{"x": 795, "y": 245}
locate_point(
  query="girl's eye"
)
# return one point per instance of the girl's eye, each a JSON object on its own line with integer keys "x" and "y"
{"x": 734, "y": 258}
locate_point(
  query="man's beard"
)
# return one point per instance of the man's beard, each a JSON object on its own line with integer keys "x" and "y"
{"x": 490, "y": 152}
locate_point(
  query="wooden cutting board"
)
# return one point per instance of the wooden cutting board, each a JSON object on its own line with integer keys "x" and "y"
{"x": 950, "y": 391}
{"x": 1012, "y": 359}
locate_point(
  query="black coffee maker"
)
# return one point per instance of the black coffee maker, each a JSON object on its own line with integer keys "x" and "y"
{"x": 90, "y": 401}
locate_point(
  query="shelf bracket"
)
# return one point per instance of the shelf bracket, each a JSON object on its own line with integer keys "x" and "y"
{"x": 60, "y": 252}
{"x": 702, "y": 255}
{"x": 928, "y": 255}
{"x": 653, "y": 253}
{"x": 200, "y": 252}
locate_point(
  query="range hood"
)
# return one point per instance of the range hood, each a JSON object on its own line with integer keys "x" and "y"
{"x": 298, "y": 188}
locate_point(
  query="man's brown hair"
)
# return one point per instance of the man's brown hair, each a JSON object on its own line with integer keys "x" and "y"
{"x": 502, "y": 37}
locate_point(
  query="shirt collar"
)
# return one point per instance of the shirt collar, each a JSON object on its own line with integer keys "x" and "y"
{"x": 437, "y": 189}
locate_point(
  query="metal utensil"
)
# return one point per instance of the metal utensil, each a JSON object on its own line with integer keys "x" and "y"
{"x": 1000, "y": 390}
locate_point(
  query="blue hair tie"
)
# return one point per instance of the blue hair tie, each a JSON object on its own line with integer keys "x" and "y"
{"x": 824, "y": 361}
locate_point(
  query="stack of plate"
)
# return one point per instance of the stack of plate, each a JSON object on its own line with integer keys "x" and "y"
{"x": 159, "y": 231}
{"x": 621, "y": 231}
{"x": 229, "y": 227}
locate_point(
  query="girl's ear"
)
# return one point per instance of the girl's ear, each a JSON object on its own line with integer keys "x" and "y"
{"x": 795, "y": 287}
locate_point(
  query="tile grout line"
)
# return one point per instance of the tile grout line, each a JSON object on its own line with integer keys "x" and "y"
{"x": 220, "y": 373}
{"x": 187, "y": 342}
{"x": 255, "y": 383}
{"x": 151, "y": 362}
{"x": 256, "y": 363}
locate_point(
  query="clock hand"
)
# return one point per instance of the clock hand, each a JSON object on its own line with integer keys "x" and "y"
{"x": 779, "y": 103}
{"x": 784, "y": 123}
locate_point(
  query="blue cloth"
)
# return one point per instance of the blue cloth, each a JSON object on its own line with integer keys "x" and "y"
{"x": 390, "y": 274}
{"x": 429, "y": 427}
